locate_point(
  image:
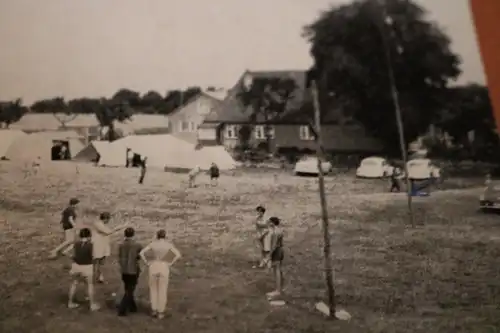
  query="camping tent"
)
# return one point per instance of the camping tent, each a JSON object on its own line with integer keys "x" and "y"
{"x": 39, "y": 144}
{"x": 7, "y": 139}
{"x": 166, "y": 151}
{"x": 93, "y": 151}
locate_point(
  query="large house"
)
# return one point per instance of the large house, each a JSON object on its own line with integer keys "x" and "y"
{"x": 291, "y": 129}
{"x": 185, "y": 120}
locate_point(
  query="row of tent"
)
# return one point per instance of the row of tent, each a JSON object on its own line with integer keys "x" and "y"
{"x": 162, "y": 151}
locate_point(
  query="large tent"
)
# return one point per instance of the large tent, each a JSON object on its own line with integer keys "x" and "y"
{"x": 162, "y": 151}
{"x": 7, "y": 139}
{"x": 40, "y": 144}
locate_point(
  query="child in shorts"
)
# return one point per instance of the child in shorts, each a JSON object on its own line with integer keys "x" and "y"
{"x": 82, "y": 269}
{"x": 276, "y": 255}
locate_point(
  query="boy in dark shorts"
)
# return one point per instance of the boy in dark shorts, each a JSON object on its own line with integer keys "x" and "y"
{"x": 68, "y": 223}
{"x": 128, "y": 257}
{"x": 276, "y": 255}
{"x": 214, "y": 174}
{"x": 82, "y": 269}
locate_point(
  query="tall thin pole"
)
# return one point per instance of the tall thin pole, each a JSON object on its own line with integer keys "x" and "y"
{"x": 397, "y": 109}
{"x": 324, "y": 210}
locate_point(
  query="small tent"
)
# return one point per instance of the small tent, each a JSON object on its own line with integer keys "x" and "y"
{"x": 93, "y": 152}
{"x": 46, "y": 145}
{"x": 7, "y": 139}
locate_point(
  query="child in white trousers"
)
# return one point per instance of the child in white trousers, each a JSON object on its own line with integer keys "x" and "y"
{"x": 159, "y": 271}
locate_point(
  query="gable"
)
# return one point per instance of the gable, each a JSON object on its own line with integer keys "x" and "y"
{"x": 202, "y": 105}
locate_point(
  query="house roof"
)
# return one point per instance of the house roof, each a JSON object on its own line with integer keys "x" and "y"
{"x": 233, "y": 111}
{"x": 217, "y": 97}
{"x": 219, "y": 94}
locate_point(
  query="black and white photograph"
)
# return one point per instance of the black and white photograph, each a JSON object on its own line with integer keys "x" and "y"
{"x": 247, "y": 166}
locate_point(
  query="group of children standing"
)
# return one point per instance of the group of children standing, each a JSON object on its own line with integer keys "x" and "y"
{"x": 92, "y": 246}
{"x": 270, "y": 241}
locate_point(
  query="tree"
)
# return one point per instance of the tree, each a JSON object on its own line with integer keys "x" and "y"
{"x": 83, "y": 105}
{"x": 468, "y": 109}
{"x": 11, "y": 112}
{"x": 267, "y": 98}
{"x": 51, "y": 105}
{"x": 58, "y": 107}
{"x": 127, "y": 96}
{"x": 350, "y": 62}
{"x": 109, "y": 111}
{"x": 152, "y": 102}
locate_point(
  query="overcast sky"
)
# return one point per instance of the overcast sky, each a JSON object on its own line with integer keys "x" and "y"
{"x": 94, "y": 47}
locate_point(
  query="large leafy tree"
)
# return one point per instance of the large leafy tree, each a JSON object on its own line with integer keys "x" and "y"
{"x": 468, "y": 108}
{"x": 152, "y": 102}
{"x": 351, "y": 62}
{"x": 108, "y": 112}
{"x": 266, "y": 98}
{"x": 11, "y": 112}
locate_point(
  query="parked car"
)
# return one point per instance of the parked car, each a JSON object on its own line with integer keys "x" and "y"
{"x": 422, "y": 168}
{"x": 374, "y": 167}
{"x": 309, "y": 165}
{"x": 490, "y": 199}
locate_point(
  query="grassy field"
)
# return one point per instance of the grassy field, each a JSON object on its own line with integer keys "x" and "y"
{"x": 443, "y": 276}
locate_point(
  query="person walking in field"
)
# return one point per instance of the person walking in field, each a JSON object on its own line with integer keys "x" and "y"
{"x": 214, "y": 174}
{"x": 192, "y": 176}
{"x": 262, "y": 229}
{"x": 143, "y": 170}
{"x": 164, "y": 254}
{"x": 276, "y": 255}
{"x": 395, "y": 181}
{"x": 128, "y": 257}
{"x": 68, "y": 223}
{"x": 82, "y": 269}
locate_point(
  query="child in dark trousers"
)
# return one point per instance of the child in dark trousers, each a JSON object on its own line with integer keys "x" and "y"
{"x": 129, "y": 265}
{"x": 214, "y": 174}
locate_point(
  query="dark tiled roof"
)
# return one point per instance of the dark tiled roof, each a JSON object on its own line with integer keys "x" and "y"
{"x": 233, "y": 111}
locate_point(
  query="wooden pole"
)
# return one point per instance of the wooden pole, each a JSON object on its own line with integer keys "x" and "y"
{"x": 324, "y": 210}
{"x": 397, "y": 109}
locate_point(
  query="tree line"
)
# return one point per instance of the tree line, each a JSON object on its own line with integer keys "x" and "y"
{"x": 368, "y": 52}
{"x": 364, "y": 53}
{"x": 120, "y": 106}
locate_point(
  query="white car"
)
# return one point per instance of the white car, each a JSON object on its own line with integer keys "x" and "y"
{"x": 309, "y": 165}
{"x": 422, "y": 168}
{"x": 374, "y": 167}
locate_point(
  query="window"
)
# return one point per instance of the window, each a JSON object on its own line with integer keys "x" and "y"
{"x": 230, "y": 132}
{"x": 192, "y": 126}
{"x": 305, "y": 133}
{"x": 183, "y": 126}
{"x": 260, "y": 132}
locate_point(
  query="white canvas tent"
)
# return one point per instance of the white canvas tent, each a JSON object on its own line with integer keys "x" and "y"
{"x": 165, "y": 151}
{"x": 7, "y": 139}
{"x": 93, "y": 151}
{"x": 39, "y": 144}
